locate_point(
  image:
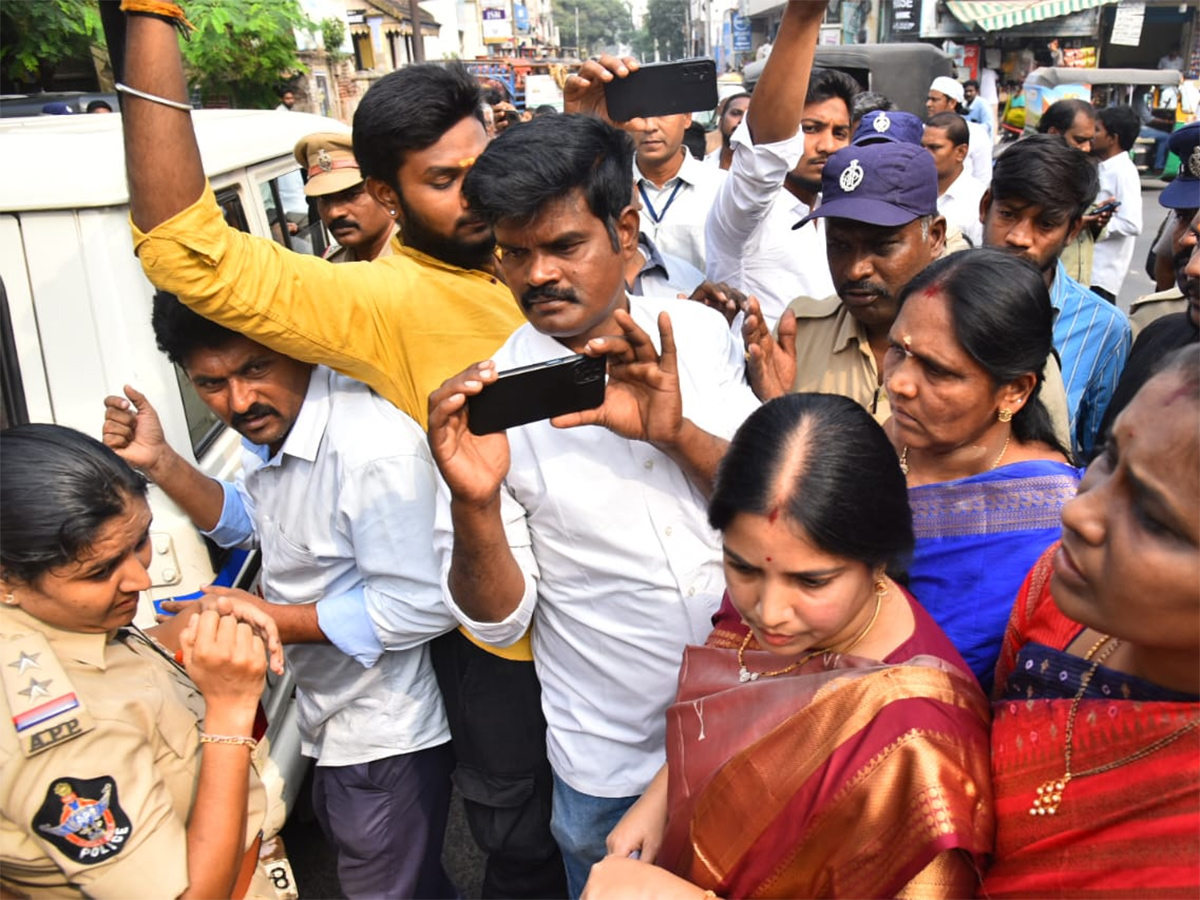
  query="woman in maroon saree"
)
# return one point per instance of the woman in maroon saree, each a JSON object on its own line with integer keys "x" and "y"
{"x": 834, "y": 745}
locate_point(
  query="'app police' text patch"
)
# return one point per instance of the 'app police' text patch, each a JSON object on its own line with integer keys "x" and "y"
{"x": 83, "y": 819}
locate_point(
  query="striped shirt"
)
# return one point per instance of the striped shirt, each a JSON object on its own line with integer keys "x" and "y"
{"x": 1092, "y": 338}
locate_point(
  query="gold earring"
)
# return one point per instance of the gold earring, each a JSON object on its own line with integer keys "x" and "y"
{"x": 9, "y": 599}
{"x": 1005, "y": 415}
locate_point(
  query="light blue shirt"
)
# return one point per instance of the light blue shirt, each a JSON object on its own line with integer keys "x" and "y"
{"x": 343, "y": 514}
{"x": 978, "y": 113}
{"x": 1092, "y": 338}
{"x": 664, "y": 275}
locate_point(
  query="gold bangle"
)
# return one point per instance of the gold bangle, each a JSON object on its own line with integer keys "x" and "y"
{"x": 710, "y": 893}
{"x": 206, "y": 738}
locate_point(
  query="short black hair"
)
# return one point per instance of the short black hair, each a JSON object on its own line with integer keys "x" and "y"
{"x": 1061, "y": 115}
{"x": 825, "y": 84}
{"x": 58, "y": 488}
{"x": 545, "y": 110}
{"x": 98, "y": 104}
{"x": 725, "y": 101}
{"x": 1003, "y": 320}
{"x": 410, "y": 109}
{"x": 694, "y": 140}
{"x": 1122, "y": 123}
{"x": 819, "y": 459}
{"x": 971, "y": 82}
{"x": 1044, "y": 170}
{"x": 525, "y": 169}
{"x": 179, "y": 332}
{"x": 869, "y": 102}
{"x": 953, "y": 124}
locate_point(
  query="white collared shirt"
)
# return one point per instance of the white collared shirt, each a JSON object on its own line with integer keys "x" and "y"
{"x": 978, "y": 163}
{"x": 621, "y": 568}
{"x": 673, "y": 215}
{"x": 960, "y": 206}
{"x": 750, "y": 238}
{"x": 1113, "y": 252}
{"x": 344, "y": 512}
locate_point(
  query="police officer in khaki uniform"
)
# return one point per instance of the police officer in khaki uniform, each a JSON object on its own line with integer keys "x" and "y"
{"x": 362, "y": 227}
{"x": 124, "y": 773}
{"x": 882, "y": 230}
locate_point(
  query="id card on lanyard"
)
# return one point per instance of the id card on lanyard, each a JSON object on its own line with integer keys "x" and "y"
{"x": 656, "y": 216}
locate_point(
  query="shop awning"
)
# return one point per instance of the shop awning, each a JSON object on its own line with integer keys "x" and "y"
{"x": 987, "y": 15}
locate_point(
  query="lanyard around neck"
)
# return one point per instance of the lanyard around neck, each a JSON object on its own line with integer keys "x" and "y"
{"x": 657, "y": 217}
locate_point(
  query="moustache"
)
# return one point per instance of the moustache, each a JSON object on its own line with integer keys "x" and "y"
{"x": 865, "y": 287}
{"x": 258, "y": 410}
{"x": 533, "y": 295}
{"x": 342, "y": 222}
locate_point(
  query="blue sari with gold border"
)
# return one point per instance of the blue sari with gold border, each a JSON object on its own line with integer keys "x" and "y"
{"x": 976, "y": 539}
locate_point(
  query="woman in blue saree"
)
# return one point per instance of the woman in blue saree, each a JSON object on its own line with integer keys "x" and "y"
{"x": 987, "y": 477}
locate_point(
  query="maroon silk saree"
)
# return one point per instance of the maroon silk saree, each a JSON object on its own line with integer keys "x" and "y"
{"x": 844, "y": 778}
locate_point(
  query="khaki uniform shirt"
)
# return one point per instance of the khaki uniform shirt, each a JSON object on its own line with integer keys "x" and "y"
{"x": 833, "y": 356}
{"x": 340, "y": 254}
{"x": 102, "y": 813}
{"x": 1149, "y": 307}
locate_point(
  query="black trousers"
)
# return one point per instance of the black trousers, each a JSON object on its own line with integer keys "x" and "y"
{"x": 498, "y": 733}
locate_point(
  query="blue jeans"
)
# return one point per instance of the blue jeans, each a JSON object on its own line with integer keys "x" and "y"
{"x": 580, "y": 824}
{"x": 1160, "y": 145}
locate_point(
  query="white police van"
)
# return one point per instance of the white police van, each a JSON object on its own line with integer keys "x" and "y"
{"x": 75, "y": 317}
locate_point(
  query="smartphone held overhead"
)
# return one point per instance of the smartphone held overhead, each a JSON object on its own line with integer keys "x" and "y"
{"x": 540, "y": 391}
{"x": 663, "y": 89}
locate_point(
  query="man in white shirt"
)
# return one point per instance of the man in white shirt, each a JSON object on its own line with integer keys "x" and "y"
{"x": 947, "y": 95}
{"x": 774, "y": 182}
{"x": 1116, "y": 131}
{"x": 676, "y": 189}
{"x": 338, "y": 490}
{"x": 598, "y": 535}
{"x": 730, "y": 113}
{"x": 959, "y": 194}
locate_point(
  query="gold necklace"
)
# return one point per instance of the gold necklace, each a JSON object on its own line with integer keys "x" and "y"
{"x": 745, "y": 674}
{"x": 1049, "y": 794}
{"x": 1003, "y": 450}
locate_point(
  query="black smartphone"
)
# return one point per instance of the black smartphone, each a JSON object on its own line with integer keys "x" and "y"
{"x": 663, "y": 89}
{"x": 1110, "y": 206}
{"x": 541, "y": 391}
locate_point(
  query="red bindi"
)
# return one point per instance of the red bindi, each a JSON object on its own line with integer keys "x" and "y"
{"x": 773, "y": 515}
{"x": 768, "y": 559}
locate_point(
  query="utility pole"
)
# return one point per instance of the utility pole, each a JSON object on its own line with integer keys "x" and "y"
{"x": 578, "y": 52}
{"x": 418, "y": 39}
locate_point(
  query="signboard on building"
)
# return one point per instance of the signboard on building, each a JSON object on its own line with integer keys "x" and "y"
{"x": 1127, "y": 23}
{"x": 356, "y": 16}
{"x": 906, "y": 20}
{"x": 497, "y": 21}
{"x": 741, "y": 34}
{"x": 521, "y": 13}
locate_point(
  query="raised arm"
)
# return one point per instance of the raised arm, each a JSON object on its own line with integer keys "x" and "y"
{"x": 133, "y": 431}
{"x": 778, "y": 100}
{"x": 162, "y": 159}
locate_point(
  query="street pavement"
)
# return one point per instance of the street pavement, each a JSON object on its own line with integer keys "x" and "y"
{"x": 313, "y": 861}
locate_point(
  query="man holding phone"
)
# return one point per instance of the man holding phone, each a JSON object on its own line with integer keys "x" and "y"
{"x": 597, "y": 533}
{"x": 774, "y": 182}
{"x": 401, "y": 324}
{"x": 1121, "y": 191}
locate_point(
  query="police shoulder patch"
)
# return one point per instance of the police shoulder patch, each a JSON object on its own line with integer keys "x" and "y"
{"x": 82, "y": 817}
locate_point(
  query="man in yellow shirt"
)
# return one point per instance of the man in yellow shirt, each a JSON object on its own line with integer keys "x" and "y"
{"x": 402, "y": 324}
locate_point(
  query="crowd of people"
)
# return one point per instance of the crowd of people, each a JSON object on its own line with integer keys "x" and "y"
{"x": 731, "y": 633}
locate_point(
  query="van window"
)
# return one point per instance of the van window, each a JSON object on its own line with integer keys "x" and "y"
{"x": 13, "y": 410}
{"x": 297, "y": 227}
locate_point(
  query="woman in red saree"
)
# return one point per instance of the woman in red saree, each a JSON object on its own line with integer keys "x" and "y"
{"x": 827, "y": 741}
{"x": 1096, "y": 740}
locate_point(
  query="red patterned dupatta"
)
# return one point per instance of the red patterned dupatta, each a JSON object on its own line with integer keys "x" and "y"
{"x": 1133, "y": 831}
{"x": 844, "y": 778}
